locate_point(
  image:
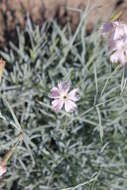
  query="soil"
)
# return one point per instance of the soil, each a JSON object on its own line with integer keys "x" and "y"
{"x": 13, "y": 12}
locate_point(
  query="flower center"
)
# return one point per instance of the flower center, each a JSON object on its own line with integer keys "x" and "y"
{"x": 64, "y": 97}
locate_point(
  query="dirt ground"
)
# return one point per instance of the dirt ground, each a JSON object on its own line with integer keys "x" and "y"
{"x": 13, "y": 12}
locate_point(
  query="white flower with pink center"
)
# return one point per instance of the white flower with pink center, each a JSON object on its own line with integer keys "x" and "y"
{"x": 62, "y": 97}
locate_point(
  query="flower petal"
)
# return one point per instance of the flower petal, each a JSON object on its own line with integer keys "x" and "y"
{"x": 55, "y": 92}
{"x": 112, "y": 45}
{"x": 3, "y": 169}
{"x": 119, "y": 56}
{"x": 114, "y": 58}
{"x": 70, "y": 106}
{"x": 123, "y": 58}
{"x": 64, "y": 87}
{"x": 57, "y": 104}
{"x": 106, "y": 28}
{"x": 73, "y": 96}
{"x": 120, "y": 30}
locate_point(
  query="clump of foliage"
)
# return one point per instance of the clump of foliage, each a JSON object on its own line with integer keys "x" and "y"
{"x": 60, "y": 151}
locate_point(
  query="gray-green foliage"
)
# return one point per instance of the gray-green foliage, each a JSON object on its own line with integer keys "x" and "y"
{"x": 85, "y": 150}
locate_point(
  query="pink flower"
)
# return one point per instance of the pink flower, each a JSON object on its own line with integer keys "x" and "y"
{"x": 3, "y": 169}
{"x": 119, "y": 52}
{"x": 114, "y": 30}
{"x": 116, "y": 33}
{"x": 120, "y": 30}
{"x": 62, "y": 96}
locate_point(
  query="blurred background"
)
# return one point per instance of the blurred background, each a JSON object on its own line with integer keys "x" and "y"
{"x": 13, "y": 13}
